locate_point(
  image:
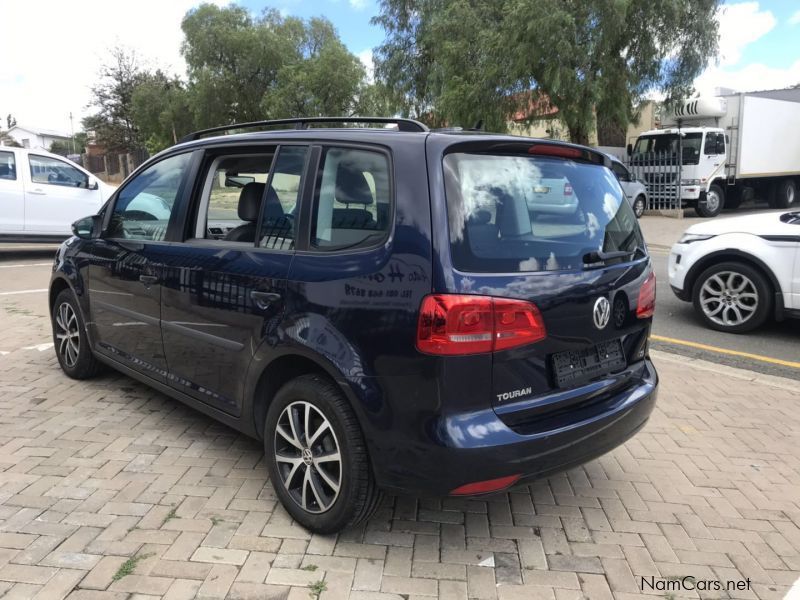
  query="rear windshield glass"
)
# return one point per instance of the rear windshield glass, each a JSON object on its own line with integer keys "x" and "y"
{"x": 511, "y": 213}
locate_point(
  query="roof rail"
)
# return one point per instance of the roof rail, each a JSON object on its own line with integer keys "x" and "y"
{"x": 303, "y": 123}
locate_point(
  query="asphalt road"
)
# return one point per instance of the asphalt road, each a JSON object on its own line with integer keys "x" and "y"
{"x": 25, "y": 274}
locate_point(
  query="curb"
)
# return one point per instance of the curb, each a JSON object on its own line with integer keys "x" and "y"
{"x": 696, "y": 363}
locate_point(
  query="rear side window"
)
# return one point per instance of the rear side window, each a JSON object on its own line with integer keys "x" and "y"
{"x": 8, "y": 167}
{"x": 352, "y": 199}
{"x": 510, "y": 214}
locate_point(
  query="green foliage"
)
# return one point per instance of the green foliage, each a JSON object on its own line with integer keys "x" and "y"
{"x": 316, "y": 588}
{"x": 113, "y": 122}
{"x": 161, "y": 110}
{"x": 457, "y": 61}
{"x": 129, "y": 566}
{"x": 62, "y": 148}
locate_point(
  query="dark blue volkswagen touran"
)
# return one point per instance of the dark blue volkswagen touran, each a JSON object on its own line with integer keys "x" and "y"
{"x": 388, "y": 308}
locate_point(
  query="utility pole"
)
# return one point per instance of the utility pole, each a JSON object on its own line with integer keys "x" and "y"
{"x": 72, "y": 130}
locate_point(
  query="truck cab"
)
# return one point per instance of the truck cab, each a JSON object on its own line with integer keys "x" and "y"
{"x": 703, "y": 158}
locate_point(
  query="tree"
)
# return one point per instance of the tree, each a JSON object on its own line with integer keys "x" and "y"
{"x": 161, "y": 110}
{"x": 59, "y": 147}
{"x": 10, "y": 121}
{"x": 113, "y": 123}
{"x": 467, "y": 59}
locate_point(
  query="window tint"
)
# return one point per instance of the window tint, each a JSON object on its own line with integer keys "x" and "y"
{"x": 352, "y": 199}
{"x": 233, "y": 198}
{"x": 56, "y": 172}
{"x": 144, "y": 205}
{"x": 511, "y": 214}
{"x": 620, "y": 171}
{"x": 8, "y": 167}
{"x": 278, "y": 217}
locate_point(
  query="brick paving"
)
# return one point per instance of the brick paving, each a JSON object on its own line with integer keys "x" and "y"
{"x": 110, "y": 490}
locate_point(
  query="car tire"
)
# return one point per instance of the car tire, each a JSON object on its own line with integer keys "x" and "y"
{"x": 712, "y": 206}
{"x": 719, "y": 297}
{"x": 785, "y": 194}
{"x": 639, "y": 205}
{"x": 70, "y": 340}
{"x": 323, "y": 496}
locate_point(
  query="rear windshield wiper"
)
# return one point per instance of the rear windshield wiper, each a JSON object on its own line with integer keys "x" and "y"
{"x": 598, "y": 256}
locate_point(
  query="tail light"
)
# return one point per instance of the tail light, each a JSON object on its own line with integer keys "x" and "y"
{"x": 485, "y": 487}
{"x": 567, "y": 189}
{"x": 452, "y": 324}
{"x": 646, "y": 306}
{"x": 556, "y": 150}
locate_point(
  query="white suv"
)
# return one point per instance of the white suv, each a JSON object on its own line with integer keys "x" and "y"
{"x": 42, "y": 194}
{"x": 739, "y": 271}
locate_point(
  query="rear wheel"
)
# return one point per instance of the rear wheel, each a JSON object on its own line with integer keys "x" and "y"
{"x": 732, "y": 297}
{"x": 712, "y": 206}
{"x": 786, "y": 194}
{"x": 317, "y": 456}
{"x": 70, "y": 340}
{"x": 639, "y": 206}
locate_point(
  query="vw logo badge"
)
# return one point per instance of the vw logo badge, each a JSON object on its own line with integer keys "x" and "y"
{"x": 601, "y": 312}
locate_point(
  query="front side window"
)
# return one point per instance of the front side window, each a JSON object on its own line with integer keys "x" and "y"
{"x": 144, "y": 205}
{"x": 352, "y": 202}
{"x": 620, "y": 171}
{"x": 511, "y": 214}
{"x": 279, "y": 217}
{"x": 8, "y": 166}
{"x": 56, "y": 172}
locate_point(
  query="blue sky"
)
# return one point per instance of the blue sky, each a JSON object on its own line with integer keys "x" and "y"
{"x": 760, "y": 46}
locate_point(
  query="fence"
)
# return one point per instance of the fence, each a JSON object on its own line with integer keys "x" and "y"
{"x": 661, "y": 174}
{"x": 113, "y": 167}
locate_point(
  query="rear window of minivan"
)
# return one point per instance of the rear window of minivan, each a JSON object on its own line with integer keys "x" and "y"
{"x": 517, "y": 213}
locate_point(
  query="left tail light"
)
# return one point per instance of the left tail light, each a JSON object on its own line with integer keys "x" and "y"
{"x": 646, "y": 306}
{"x": 455, "y": 324}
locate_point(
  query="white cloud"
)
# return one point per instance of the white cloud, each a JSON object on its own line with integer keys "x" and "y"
{"x": 740, "y": 25}
{"x": 365, "y": 56}
{"x": 54, "y": 50}
{"x": 795, "y": 18}
{"x": 358, "y": 4}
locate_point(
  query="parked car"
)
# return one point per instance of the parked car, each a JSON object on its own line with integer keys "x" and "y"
{"x": 740, "y": 271}
{"x": 380, "y": 310}
{"x": 635, "y": 190}
{"x": 43, "y": 193}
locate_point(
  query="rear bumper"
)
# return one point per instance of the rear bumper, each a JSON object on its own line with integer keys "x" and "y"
{"x": 478, "y": 446}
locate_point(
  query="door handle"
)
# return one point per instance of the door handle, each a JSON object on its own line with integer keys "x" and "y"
{"x": 38, "y": 192}
{"x": 263, "y": 299}
{"x": 148, "y": 280}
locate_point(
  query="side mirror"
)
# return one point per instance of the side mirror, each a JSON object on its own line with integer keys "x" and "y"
{"x": 86, "y": 227}
{"x": 92, "y": 183}
{"x": 630, "y": 149}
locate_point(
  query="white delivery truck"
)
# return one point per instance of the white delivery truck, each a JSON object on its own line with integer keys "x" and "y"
{"x": 732, "y": 146}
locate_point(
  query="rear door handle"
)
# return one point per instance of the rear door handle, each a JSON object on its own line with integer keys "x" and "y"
{"x": 148, "y": 280}
{"x": 263, "y": 299}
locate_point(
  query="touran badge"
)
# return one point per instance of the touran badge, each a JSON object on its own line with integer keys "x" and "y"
{"x": 601, "y": 312}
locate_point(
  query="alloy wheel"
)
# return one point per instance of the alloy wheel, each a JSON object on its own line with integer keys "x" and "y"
{"x": 729, "y": 298}
{"x": 67, "y": 334}
{"x": 308, "y": 457}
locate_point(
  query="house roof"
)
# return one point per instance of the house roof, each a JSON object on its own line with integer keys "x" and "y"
{"x": 41, "y": 131}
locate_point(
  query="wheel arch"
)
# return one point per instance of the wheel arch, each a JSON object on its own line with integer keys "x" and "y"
{"x": 735, "y": 255}
{"x": 58, "y": 285}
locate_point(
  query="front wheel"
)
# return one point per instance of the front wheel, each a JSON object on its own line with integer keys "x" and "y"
{"x": 732, "y": 297}
{"x": 317, "y": 456}
{"x": 712, "y": 206}
{"x": 639, "y": 206}
{"x": 70, "y": 339}
{"x": 786, "y": 194}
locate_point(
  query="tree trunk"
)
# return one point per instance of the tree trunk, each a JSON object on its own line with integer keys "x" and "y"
{"x": 578, "y": 135}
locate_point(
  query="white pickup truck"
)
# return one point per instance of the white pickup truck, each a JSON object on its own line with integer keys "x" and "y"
{"x": 42, "y": 194}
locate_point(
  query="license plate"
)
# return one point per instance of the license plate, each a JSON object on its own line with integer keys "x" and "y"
{"x": 577, "y": 366}
{"x": 541, "y": 189}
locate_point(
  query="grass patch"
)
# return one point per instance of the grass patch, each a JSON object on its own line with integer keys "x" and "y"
{"x": 129, "y": 566}
{"x": 316, "y": 588}
{"x": 172, "y": 514}
{"x": 310, "y": 568}
{"x": 215, "y": 521}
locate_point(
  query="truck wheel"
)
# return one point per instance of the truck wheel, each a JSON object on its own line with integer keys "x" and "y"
{"x": 715, "y": 200}
{"x": 786, "y": 194}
